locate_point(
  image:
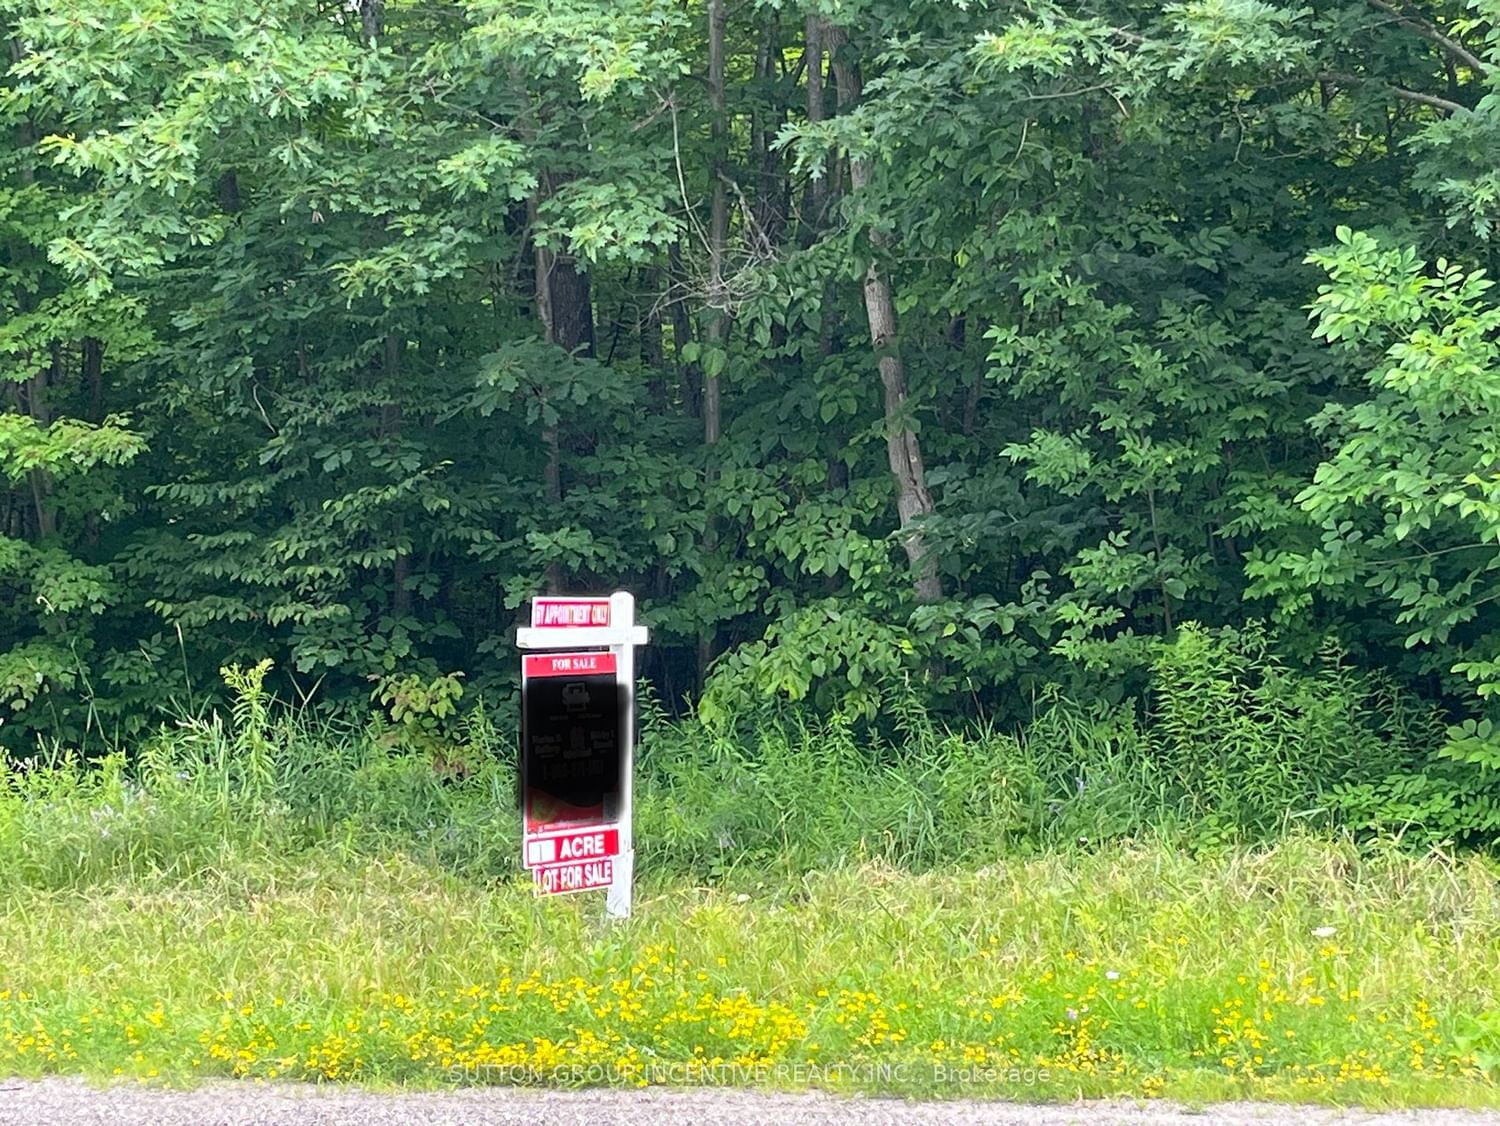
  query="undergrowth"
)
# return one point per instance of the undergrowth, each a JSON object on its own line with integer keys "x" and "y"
{"x": 1206, "y": 894}
{"x": 1229, "y": 746}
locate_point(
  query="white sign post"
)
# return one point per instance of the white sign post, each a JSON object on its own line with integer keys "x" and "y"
{"x": 582, "y": 849}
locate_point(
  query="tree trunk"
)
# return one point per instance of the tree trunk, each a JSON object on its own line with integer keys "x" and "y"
{"x": 716, "y": 332}
{"x": 572, "y": 306}
{"x": 93, "y": 378}
{"x": 812, "y": 195}
{"x": 564, "y": 305}
{"x": 903, "y": 451}
{"x": 390, "y": 426}
{"x": 545, "y": 262}
{"x": 652, "y": 356}
{"x": 229, "y": 192}
{"x": 768, "y": 208}
{"x": 25, "y": 133}
{"x": 814, "y": 207}
{"x": 371, "y": 19}
{"x": 26, "y": 509}
{"x": 39, "y": 409}
{"x": 682, "y": 333}
{"x": 718, "y": 221}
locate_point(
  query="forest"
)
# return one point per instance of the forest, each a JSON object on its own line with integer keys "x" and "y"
{"x": 1054, "y": 446}
{"x": 980, "y": 353}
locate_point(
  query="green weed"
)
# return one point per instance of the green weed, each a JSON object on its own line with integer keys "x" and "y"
{"x": 1306, "y": 969}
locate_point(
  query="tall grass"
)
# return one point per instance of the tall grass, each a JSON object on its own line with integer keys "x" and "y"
{"x": 274, "y": 892}
{"x": 1230, "y": 746}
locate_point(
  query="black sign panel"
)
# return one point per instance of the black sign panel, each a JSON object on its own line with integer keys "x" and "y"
{"x": 572, "y": 762}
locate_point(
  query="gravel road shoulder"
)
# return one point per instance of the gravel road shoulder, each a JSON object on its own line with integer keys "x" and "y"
{"x": 69, "y": 1102}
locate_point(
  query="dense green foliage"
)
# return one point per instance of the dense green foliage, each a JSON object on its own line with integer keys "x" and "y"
{"x": 956, "y": 348}
{"x": 1234, "y": 747}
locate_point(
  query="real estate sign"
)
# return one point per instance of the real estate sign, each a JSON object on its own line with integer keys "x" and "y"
{"x": 577, "y": 745}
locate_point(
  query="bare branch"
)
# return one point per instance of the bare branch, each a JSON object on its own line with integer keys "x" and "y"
{"x": 1429, "y": 30}
{"x": 1067, "y": 93}
{"x": 1401, "y": 92}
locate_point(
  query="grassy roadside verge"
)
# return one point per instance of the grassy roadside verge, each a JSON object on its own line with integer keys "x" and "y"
{"x": 1306, "y": 970}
